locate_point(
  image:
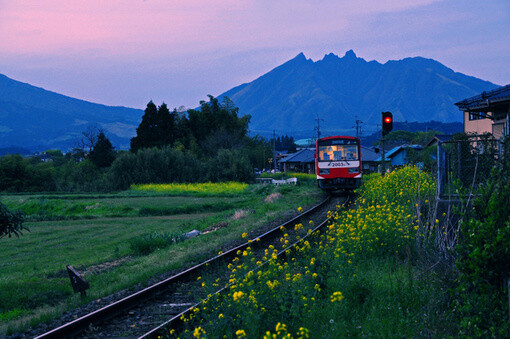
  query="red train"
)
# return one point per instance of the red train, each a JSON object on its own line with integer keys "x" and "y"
{"x": 338, "y": 163}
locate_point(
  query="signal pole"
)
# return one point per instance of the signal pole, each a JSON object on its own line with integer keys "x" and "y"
{"x": 383, "y": 167}
{"x": 387, "y": 126}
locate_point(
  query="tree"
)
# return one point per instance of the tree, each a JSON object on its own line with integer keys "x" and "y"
{"x": 217, "y": 125}
{"x": 11, "y": 222}
{"x": 13, "y": 173}
{"x": 146, "y": 135}
{"x": 102, "y": 153}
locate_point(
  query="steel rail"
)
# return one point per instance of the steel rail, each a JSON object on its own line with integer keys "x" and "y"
{"x": 108, "y": 312}
{"x": 177, "y": 322}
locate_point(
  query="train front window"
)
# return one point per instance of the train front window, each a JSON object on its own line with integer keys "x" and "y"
{"x": 338, "y": 152}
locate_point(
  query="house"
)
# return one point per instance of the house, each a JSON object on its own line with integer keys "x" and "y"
{"x": 487, "y": 112}
{"x": 301, "y": 161}
{"x": 439, "y": 138}
{"x": 398, "y": 156}
{"x": 368, "y": 160}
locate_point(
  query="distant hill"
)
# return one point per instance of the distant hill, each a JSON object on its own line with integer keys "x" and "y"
{"x": 287, "y": 99}
{"x": 37, "y": 119}
{"x": 440, "y": 127}
{"x": 291, "y": 96}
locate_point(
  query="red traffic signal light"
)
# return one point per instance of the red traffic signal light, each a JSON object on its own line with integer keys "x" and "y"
{"x": 387, "y": 122}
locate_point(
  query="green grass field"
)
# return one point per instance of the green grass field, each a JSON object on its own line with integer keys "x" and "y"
{"x": 95, "y": 234}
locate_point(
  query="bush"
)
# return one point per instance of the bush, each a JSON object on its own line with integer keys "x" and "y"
{"x": 483, "y": 257}
{"x": 148, "y": 243}
{"x": 230, "y": 165}
{"x": 11, "y": 222}
{"x": 153, "y": 165}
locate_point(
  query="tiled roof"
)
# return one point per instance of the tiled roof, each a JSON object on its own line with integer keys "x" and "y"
{"x": 485, "y": 99}
{"x": 302, "y": 156}
{"x": 397, "y": 149}
{"x": 368, "y": 154}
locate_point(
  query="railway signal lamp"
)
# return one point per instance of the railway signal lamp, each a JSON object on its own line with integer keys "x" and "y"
{"x": 387, "y": 122}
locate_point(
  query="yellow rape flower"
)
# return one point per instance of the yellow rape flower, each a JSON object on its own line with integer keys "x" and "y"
{"x": 336, "y": 296}
{"x": 197, "y": 333}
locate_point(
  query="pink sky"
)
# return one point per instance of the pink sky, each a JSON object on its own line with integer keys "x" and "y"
{"x": 126, "y": 52}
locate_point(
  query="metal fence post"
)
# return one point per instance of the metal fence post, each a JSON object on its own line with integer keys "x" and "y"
{"x": 440, "y": 168}
{"x": 459, "y": 161}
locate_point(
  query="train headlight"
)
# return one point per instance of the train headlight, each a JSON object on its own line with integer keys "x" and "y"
{"x": 353, "y": 170}
{"x": 323, "y": 170}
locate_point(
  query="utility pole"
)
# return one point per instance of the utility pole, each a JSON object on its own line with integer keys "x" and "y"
{"x": 358, "y": 127}
{"x": 274, "y": 150}
{"x": 318, "y": 128}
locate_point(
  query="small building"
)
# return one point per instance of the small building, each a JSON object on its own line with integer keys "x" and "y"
{"x": 487, "y": 112}
{"x": 439, "y": 138}
{"x": 368, "y": 160}
{"x": 398, "y": 156}
{"x": 302, "y": 161}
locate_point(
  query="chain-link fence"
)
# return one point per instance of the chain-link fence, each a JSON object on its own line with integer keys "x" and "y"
{"x": 464, "y": 164}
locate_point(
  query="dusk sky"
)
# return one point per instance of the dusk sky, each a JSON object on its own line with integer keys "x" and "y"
{"x": 127, "y": 52}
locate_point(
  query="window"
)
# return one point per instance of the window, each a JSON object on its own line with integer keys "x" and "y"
{"x": 338, "y": 153}
{"x": 477, "y": 115}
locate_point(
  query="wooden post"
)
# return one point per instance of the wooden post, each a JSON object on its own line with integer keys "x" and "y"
{"x": 77, "y": 282}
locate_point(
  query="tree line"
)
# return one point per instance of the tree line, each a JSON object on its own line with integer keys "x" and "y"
{"x": 210, "y": 143}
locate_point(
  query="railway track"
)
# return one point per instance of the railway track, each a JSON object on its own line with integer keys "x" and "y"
{"x": 150, "y": 312}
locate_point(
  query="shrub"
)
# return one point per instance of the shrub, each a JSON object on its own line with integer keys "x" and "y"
{"x": 11, "y": 222}
{"x": 148, "y": 243}
{"x": 483, "y": 257}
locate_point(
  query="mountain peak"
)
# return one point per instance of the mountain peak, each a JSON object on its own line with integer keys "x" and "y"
{"x": 350, "y": 55}
{"x": 330, "y": 56}
{"x": 300, "y": 57}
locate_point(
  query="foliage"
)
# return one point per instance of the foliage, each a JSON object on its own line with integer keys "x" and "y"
{"x": 207, "y": 144}
{"x": 204, "y": 189}
{"x": 11, "y": 222}
{"x": 483, "y": 256}
{"x": 30, "y": 174}
{"x": 203, "y": 131}
{"x": 217, "y": 125}
{"x": 150, "y": 242}
{"x": 153, "y": 165}
{"x": 229, "y": 165}
{"x": 346, "y": 280}
{"x": 284, "y": 143}
{"x": 102, "y": 153}
{"x": 399, "y": 137}
{"x": 169, "y": 165}
{"x": 33, "y": 277}
{"x": 427, "y": 158}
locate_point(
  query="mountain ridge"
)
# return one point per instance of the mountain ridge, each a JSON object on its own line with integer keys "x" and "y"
{"x": 38, "y": 119}
{"x": 341, "y": 90}
{"x": 288, "y": 98}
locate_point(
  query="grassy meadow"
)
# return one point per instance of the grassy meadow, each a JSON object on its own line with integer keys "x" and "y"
{"x": 119, "y": 240}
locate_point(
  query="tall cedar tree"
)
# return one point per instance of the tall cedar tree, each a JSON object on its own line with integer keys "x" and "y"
{"x": 157, "y": 129}
{"x": 146, "y": 135}
{"x": 102, "y": 154}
